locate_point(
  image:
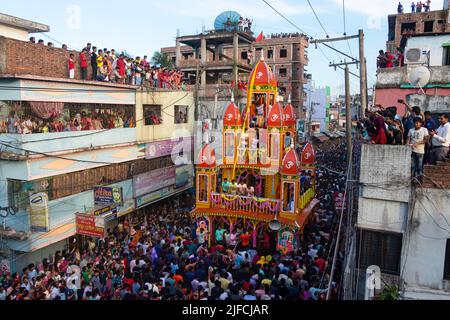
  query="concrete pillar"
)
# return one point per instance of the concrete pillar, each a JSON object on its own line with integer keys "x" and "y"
{"x": 178, "y": 54}
{"x": 204, "y": 59}
{"x": 235, "y": 58}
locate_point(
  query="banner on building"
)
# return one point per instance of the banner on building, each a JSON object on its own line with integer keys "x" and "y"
{"x": 39, "y": 221}
{"x": 103, "y": 211}
{"x": 184, "y": 175}
{"x": 167, "y": 147}
{"x": 151, "y": 181}
{"x": 90, "y": 226}
{"x": 339, "y": 201}
{"x": 152, "y": 197}
{"x": 108, "y": 195}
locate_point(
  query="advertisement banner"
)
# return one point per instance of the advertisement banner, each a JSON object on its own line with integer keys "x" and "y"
{"x": 90, "y": 226}
{"x": 108, "y": 195}
{"x": 164, "y": 148}
{"x": 339, "y": 201}
{"x": 148, "y": 182}
{"x": 184, "y": 176}
{"x": 103, "y": 211}
{"x": 39, "y": 211}
{"x": 151, "y": 197}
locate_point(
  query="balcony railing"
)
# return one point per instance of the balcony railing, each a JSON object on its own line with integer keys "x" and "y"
{"x": 65, "y": 141}
{"x": 307, "y": 197}
{"x": 241, "y": 203}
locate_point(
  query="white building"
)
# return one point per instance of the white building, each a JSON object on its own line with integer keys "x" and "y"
{"x": 402, "y": 228}
{"x": 434, "y": 48}
{"x": 18, "y": 28}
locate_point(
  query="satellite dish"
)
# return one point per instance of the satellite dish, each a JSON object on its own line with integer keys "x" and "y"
{"x": 227, "y": 20}
{"x": 419, "y": 76}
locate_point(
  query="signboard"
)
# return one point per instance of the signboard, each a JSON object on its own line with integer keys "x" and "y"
{"x": 108, "y": 195}
{"x": 151, "y": 197}
{"x": 164, "y": 148}
{"x": 39, "y": 211}
{"x": 105, "y": 210}
{"x": 90, "y": 226}
{"x": 153, "y": 180}
{"x": 286, "y": 241}
{"x": 184, "y": 175}
{"x": 300, "y": 128}
{"x": 339, "y": 201}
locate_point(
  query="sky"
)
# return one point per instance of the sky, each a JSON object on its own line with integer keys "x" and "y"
{"x": 143, "y": 27}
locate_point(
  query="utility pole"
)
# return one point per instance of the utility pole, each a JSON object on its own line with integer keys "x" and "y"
{"x": 363, "y": 74}
{"x": 348, "y": 115}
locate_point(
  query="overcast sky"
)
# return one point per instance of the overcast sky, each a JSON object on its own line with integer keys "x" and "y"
{"x": 142, "y": 27}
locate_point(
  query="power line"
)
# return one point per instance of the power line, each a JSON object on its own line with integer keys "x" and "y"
{"x": 345, "y": 27}
{"x": 317, "y": 18}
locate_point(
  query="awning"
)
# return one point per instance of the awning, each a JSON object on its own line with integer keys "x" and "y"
{"x": 446, "y": 44}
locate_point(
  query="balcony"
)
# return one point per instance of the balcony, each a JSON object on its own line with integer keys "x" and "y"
{"x": 74, "y": 141}
{"x": 187, "y": 65}
{"x": 265, "y": 206}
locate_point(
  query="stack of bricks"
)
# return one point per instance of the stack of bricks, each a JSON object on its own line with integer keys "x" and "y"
{"x": 25, "y": 58}
{"x": 437, "y": 176}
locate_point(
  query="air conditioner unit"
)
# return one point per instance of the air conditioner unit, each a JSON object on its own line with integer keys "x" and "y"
{"x": 417, "y": 56}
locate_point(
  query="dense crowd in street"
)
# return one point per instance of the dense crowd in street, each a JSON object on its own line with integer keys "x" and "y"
{"x": 161, "y": 256}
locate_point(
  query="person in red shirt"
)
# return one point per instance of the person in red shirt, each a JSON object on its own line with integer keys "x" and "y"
{"x": 245, "y": 240}
{"x": 122, "y": 68}
{"x": 83, "y": 64}
{"x": 320, "y": 263}
{"x": 389, "y": 59}
{"x": 71, "y": 66}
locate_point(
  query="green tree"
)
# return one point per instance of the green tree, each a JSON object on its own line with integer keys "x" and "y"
{"x": 389, "y": 293}
{"x": 162, "y": 59}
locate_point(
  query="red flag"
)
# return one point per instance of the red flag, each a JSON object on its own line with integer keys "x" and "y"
{"x": 260, "y": 37}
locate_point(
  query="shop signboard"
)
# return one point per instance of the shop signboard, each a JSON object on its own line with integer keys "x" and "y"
{"x": 151, "y": 181}
{"x": 184, "y": 175}
{"x": 39, "y": 221}
{"x": 152, "y": 197}
{"x": 108, "y": 195}
{"x": 165, "y": 148}
{"x": 91, "y": 226}
{"x": 103, "y": 211}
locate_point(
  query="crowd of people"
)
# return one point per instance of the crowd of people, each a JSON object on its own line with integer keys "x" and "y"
{"x": 161, "y": 255}
{"x": 416, "y": 7}
{"x": 111, "y": 66}
{"x": 28, "y": 124}
{"x": 389, "y": 59}
{"x": 286, "y": 35}
{"x": 428, "y": 139}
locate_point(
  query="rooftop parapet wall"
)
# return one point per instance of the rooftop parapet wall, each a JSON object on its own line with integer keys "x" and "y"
{"x": 395, "y": 77}
{"x": 25, "y": 58}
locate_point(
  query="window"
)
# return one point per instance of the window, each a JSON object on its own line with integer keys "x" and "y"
{"x": 181, "y": 114}
{"x": 283, "y": 72}
{"x": 382, "y": 249}
{"x": 270, "y": 54}
{"x": 446, "y": 55}
{"x": 428, "y": 26}
{"x": 244, "y": 55}
{"x": 283, "y": 53}
{"x": 288, "y": 197}
{"x": 447, "y": 261}
{"x": 202, "y": 190}
{"x": 408, "y": 28}
{"x": 152, "y": 114}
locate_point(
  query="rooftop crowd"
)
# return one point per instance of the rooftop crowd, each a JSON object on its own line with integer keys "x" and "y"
{"x": 416, "y": 7}
{"x": 160, "y": 255}
{"x": 111, "y": 66}
{"x": 428, "y": 138}
{"x": 286, "y": 35}
{"x": 390, "y": 59}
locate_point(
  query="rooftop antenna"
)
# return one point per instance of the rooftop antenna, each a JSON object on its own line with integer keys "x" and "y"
{"x": 203, "y": 27}
{"x": 178, "y": 33}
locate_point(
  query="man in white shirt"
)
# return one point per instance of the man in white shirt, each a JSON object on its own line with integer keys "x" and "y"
{"x": 440, "y": 140}
{"x": 417, "y": 137}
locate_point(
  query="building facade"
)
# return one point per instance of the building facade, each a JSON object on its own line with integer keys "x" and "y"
{"x": 72, "y": 184}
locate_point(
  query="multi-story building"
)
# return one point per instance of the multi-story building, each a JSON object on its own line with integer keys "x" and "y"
{"x": 401, "y": 230}
{"x": 404, "y": 25}
{"x": 50, "y": 180}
